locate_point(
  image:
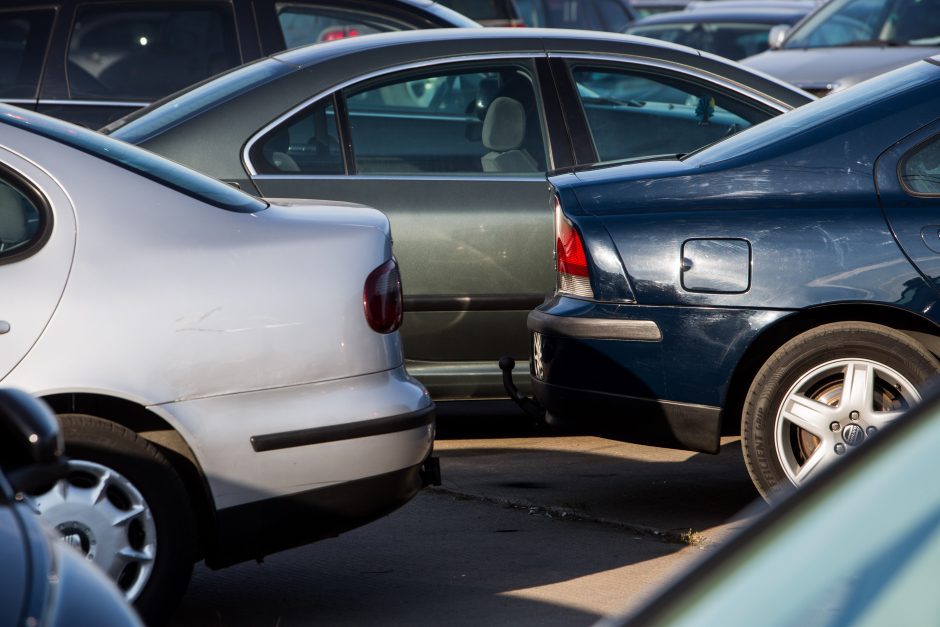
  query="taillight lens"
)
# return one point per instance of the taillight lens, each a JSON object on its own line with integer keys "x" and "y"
{"x": 381, "y": 298}
{"x": 570, "y": 259}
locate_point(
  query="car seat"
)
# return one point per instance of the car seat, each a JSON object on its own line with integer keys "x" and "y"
{"x": 504, "y": 129}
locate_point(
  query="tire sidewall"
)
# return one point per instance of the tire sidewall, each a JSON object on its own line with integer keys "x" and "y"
{"x": 800, "y": 356}
{"x": 95, "y": 440}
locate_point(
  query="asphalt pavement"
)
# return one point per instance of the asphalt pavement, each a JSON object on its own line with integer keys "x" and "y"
{"x": 527, "y": 528}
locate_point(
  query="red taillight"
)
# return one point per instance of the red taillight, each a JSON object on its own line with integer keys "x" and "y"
{"x": 570, "y": 259}
{"x": 516, "y": 23}
{"x": 381, "y": 298}
{"x": 569, "y": 250}
{"x": 339, "y": 33}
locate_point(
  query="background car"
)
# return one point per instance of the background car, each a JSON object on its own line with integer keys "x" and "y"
{"x": 725, "y": 29}
{"x": 847, "y": 41}
{"x": 451, "y": 135}
{"x": 781, "y": 283}
{"x": 92, "y": 61}
{"x": 44, "y": 581}
{"x": 227, "y": 372}
{"x": 605, "y": 15}
{"x": 868, "y": 503}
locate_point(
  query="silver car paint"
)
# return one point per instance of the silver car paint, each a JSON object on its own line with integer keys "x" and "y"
{"x": 170, "y": 300}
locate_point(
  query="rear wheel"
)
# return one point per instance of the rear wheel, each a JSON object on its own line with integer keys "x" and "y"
{"x": 124, "y": 507}
{"x": 825, "y": 392}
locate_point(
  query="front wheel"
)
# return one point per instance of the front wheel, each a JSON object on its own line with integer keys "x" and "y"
{"x": 825, "y": 392}
{"x": 124, "y": 507}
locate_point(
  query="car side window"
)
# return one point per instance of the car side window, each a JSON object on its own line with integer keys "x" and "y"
{"x": 24, "y": 36}
{"x": 303, "y": 24}
{"x": 21, "y": 218}
{"x": 471, "y": 120}
{"x": 613, "y": 14}
{"x": 308, "y": 143}
{"x": 634, "y": 114}
{"x": 571, "y": 14}
{"x": 920, "y": 169}
{"x": 148, "y": 51}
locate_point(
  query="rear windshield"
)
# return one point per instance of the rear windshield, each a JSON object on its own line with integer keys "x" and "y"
{"x": 817, "y": 113}
{"x": 135, "y": 159}
{"x": 177, "y": 108}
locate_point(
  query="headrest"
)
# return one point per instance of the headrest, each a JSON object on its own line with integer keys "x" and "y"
{"x": 504, "y": 125}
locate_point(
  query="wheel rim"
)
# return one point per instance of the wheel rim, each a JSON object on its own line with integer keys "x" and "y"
{"x": 100, "y": 512}
{"x": 833, "y": 408}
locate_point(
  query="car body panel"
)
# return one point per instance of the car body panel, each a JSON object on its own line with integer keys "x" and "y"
{"x": 39, "y": 279}
{"x": 228, "y": 327}
{"x": 475, "y": 250}
{"x": 820, "y": 70}
{"x": 798, "y": 195}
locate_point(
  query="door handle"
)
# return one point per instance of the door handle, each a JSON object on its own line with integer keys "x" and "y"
{"x": 4, "y": 327}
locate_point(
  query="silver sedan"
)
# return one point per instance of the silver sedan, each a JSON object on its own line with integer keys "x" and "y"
{"x": 228, "y": 372}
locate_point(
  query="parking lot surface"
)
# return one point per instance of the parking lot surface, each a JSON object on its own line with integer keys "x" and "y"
{"x": 527, "y": 528}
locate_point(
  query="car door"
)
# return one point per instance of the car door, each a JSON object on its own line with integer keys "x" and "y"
{"x": 908, "y": 181}
{"x": 37, "y": 239}
{"x": 455, "y": 155}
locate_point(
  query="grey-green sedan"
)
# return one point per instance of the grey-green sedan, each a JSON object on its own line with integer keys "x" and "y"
{"x": 452, "y": 134}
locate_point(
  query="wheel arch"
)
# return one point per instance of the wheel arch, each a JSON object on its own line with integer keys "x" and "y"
{"x": 156, "y": 430}
{"x": 919, "y": 329}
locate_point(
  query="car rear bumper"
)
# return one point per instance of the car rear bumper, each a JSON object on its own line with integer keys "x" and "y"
{"x": 268, "y": 444}
{"x": 653, "y": 374}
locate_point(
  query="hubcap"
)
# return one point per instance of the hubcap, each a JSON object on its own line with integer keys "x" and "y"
{"x": 99, "y": 512}
{"x": 833, "y": 408}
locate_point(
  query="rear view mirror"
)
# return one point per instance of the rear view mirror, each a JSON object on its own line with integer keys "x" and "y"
{"x": 777, "y": 35}
{"x": 31, "y": 443}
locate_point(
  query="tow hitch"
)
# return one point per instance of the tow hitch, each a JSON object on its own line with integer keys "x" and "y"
{"x": 528, "y": 405}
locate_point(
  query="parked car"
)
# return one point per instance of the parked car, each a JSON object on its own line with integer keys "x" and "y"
{"x": 724, "y": 30}
{"x": 451, "y": 135}
{"x": 869, "y": 526}
{"x": 645, "y": 8}
{"x": 92, "y": 61}
{"x": 43, "y": 581}
{"x": 227, "y": 371}
{"x": 780, "y": 283}
{"x": 606, "y": 15}
{"x": 847, "y": 41}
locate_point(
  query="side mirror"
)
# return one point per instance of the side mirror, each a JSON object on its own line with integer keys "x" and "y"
{"x": 777, "y": 35}
{"x": 31, "y": 444}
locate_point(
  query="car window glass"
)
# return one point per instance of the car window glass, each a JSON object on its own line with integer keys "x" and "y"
{"x": 571, "y": 14}
{"x": 141, "y": 53}
{"x": 732, "y": 40}
{"x": 870, "y": 22}
{"x": 465, "y": 121}
{"x": 23, "y": 39}
{"x": 306, "y": 144}
{"x": 20, "y": 219}
{"x": 305, "y": 24}
{"x": 531, "y": 12}
{"x": 613, "y": 15}
{"x": 634, "y": 114}
{"x": 920, "y": 170}
{"x": 482, "y": 11}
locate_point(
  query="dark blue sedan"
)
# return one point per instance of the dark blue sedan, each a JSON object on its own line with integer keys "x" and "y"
{"x": 782, "y": 283}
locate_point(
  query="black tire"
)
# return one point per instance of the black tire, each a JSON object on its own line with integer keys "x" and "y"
{"x": 777, "y": 452}
{"x": 88, "y": 438}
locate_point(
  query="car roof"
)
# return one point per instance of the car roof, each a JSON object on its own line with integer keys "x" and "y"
{"x": 404, "y": 46}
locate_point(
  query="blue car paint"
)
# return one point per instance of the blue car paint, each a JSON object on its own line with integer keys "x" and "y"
{"x": 801, "y": 190}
